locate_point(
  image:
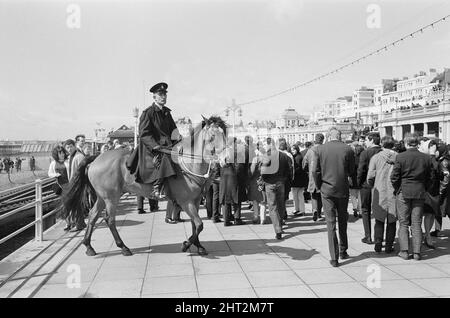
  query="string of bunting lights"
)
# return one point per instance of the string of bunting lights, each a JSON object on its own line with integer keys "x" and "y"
{"x": 384, "y": 48}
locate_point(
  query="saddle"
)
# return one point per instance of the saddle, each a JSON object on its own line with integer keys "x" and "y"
{"x": 133, "y": 162}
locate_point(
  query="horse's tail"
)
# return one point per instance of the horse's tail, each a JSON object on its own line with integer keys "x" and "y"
{"x": 80, "y": 195}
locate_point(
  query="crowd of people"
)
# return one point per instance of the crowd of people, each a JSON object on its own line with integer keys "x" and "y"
{"x": 400, "y": 184}
{"x": 66, "y": 160}
{"x": 262, "y": 174}
{"x": 8, "y": 165}
{"x": 116, "y": 144}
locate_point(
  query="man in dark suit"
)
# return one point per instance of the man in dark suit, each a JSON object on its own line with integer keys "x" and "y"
{"x": 411, "y": 177}
{"x": 151, "y": 202}
{"x": 230, "y": 194}
{"x": 373, "y": 147}
{"x": 333, "y": 167}
{"x": 242, "y": 172}
{"x": 80, "y": 142}
{"x": 275, "y": 172}
{"x": 212, "y": 199}
{"x": 173, "y": 212}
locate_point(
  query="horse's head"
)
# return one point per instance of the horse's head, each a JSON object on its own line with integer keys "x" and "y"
{"x": 204, "y": 141}
{"x": 214, "y": 134}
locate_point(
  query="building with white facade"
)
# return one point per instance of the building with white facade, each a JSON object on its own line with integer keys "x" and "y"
{"x": 410, "y": 92}
{"x": 290, "y": 118}
{"x": 386, "y": 86}
{"x": 363, "y": 102}
{"x": 294, "y": 134}
{"x": 395, "y": 107}
{"x": 345, "y": 107}
{"x": 432, "y": 120}
{"x": 338, "y": 107}
{"x": 359, "y": 106}
{"x": 317, "y": 115}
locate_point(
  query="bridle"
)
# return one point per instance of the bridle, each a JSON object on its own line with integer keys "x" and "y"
{"x": 185, "y": 169}
{"x": 207, "y": 175}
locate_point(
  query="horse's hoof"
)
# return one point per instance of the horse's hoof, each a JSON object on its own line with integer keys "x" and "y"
{"x": 185, "y": 246}
{"x": 202, "y": 251}
{"x": 90, "y": 252}
{"x": 126, "y": 252}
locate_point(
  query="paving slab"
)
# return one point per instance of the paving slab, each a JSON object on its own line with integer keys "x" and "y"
{"x": 297, "y": 291}
{"x": 62, "y": 291}
{"x": 273, "y": 278}
{"x": 242, "y": 261}
{"x": 417, "y": 270}
{"x": 217, "y": 268}
{"x": 221, "y": 282}
{"x": 363, "y": 273}
{"x": 227, "y": 293}
{"x": 342, "y": 290}
{"x": 130, "y": 288}
{"x": 323, "y": 275}
{"x": 400, "y": 289}
{"x": 436, "y": 286}
{"x": 168, "y": 270}
{"x": 173, "y": 284}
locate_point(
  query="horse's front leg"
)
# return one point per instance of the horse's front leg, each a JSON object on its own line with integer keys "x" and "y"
{"x": 197, "y": 226}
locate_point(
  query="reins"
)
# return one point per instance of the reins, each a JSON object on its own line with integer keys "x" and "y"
{"x": 184, "y": 168}
{"x": 206, "y": 175}
{"x": 192, "y": 156}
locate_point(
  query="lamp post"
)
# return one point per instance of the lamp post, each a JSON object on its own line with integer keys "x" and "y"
{"x": 233, "y": 108}
{"x": 99, "y": 134}
{"x": 135, "y": 115}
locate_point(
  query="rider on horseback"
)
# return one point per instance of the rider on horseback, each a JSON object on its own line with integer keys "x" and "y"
{"x": 157, "y": 130}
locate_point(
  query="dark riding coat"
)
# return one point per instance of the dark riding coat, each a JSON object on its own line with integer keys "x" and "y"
{"x": 156, "y": 127}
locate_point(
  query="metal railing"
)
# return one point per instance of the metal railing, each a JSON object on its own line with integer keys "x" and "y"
{"x": 37, "y": 203}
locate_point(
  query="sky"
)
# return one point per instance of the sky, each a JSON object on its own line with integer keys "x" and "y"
{"x": 57, "y": 81}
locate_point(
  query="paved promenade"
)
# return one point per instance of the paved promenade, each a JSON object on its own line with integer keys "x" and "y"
{"x": 243, "y": 261}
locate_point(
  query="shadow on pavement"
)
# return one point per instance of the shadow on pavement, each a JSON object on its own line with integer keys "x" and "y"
{"x": 255, "y": 247}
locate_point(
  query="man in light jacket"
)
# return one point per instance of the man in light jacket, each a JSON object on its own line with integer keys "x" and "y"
{"x": 307, "y": 165}
{"x": 383, "y": 198}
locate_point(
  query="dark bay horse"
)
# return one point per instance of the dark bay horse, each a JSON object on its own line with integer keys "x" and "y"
{"x": 106, "y": 178}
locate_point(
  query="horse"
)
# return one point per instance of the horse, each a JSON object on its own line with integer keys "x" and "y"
{"x": 102, "y": 180}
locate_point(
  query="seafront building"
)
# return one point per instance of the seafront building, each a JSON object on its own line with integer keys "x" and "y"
{"x": 420, "y": 104}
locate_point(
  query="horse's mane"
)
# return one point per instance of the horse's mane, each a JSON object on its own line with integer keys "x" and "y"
{"x": 215, "y": 120}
